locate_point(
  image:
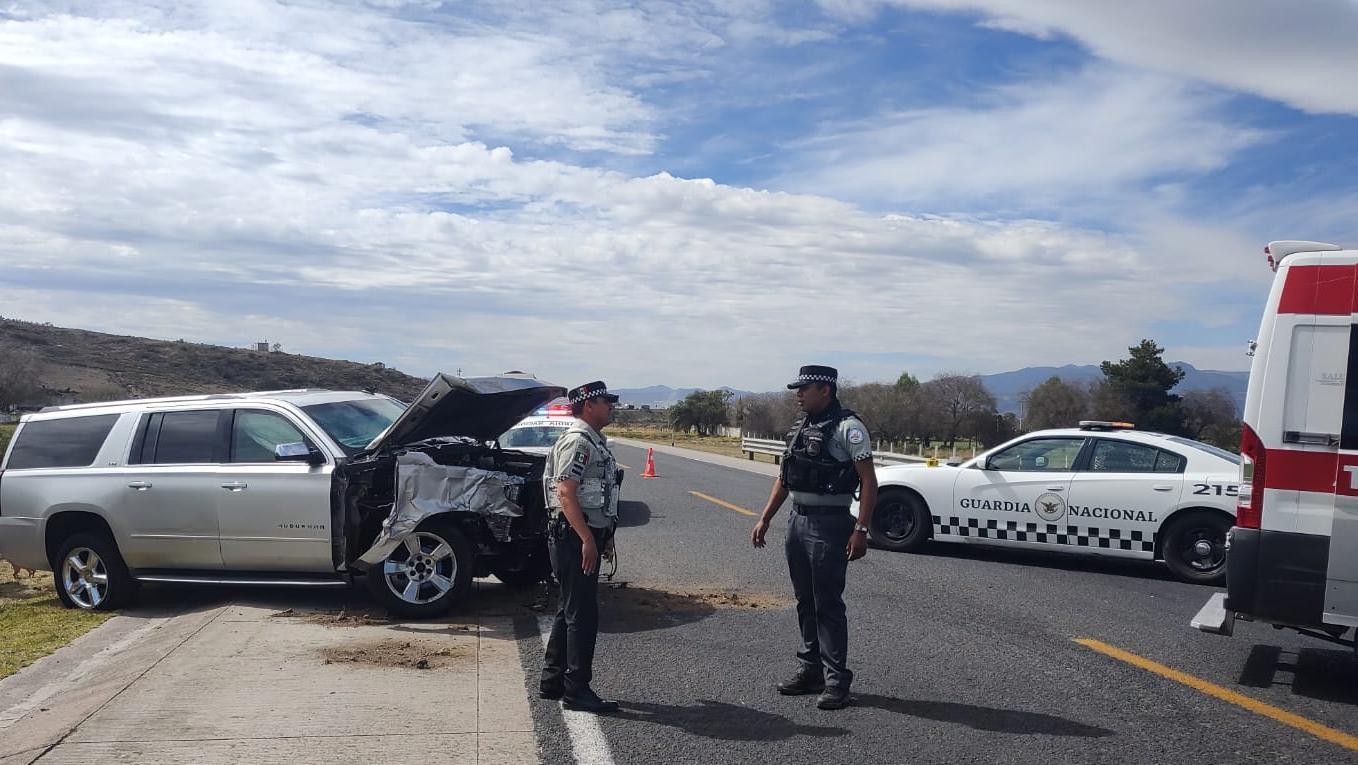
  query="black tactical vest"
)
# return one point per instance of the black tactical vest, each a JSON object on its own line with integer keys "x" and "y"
{"x": 807, "y": 464}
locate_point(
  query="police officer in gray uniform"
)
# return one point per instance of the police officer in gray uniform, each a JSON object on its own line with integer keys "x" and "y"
{"x": 828, "y": 456}
{"x": 582, "y": 503}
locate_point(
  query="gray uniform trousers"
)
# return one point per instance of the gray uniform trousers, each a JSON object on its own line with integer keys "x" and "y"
{"x": 817, "y": 559}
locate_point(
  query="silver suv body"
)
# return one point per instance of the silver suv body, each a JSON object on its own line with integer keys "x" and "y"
{"x": 296, "y": 487}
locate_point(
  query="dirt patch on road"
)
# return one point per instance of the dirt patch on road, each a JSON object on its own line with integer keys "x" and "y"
{"x": 345, "y": 617}
{"x": 410, "y": 654}
{"x": 673, "y": 598}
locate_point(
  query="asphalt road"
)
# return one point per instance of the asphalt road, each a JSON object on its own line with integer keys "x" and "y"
{"x": 962, "y": 654}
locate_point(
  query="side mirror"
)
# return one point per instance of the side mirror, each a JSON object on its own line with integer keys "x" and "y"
{"x": 298, "y": 451}
{"x": 1040, "y": 461}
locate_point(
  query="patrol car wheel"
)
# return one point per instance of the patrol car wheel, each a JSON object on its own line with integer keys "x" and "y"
{"x": 1195, "y": 547}
{"x": 90, "y": 575}
{"x": 426, "y": 575}
{"x": 900, "y": 521}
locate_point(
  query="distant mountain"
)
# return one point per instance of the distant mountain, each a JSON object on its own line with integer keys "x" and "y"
{"x": 1008, "y": 386}
{"x": 660, "y": 396}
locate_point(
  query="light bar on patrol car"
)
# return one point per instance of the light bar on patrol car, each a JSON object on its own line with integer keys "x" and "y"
{"x": 1104, "y": 425}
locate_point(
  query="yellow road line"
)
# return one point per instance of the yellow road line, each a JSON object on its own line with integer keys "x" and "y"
{"x": 723, "y": 503}
{"x": 1254, "y": 705}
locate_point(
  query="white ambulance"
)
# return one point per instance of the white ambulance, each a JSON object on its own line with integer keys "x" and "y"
{"x": 1292, "y": 557}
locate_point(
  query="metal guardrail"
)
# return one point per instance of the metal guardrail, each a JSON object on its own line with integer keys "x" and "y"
{"x": 775, "y": 447}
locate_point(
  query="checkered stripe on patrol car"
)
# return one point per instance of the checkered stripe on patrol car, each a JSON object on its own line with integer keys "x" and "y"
{"x": 1046, "y": 533}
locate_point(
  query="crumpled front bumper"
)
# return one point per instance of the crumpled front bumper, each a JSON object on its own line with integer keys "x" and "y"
{"x": 425, "y": 488}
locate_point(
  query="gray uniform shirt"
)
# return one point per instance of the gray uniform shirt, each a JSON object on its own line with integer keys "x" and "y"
{"x": 582, "y": 454}
{"x": 849, "y": 443}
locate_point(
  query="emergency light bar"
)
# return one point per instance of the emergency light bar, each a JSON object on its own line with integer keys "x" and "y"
{"x": 1276, "y": 251}
{"x": 1104, "y": 425}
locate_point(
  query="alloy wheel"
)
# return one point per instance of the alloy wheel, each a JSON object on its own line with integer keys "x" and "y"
{"x": 85, "y": 578}
{"x": 422, "y": 570}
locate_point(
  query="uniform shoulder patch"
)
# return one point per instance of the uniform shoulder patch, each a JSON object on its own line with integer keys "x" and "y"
{"x": 856, "y": 435}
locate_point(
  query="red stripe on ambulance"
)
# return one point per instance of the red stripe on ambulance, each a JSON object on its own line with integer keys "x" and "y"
{"x": 1319, "y": 290}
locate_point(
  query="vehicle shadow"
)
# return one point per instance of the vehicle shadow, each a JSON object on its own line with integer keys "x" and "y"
{"x": 981, "y": 718}
{"x": 632, "y": 513}
{"x": 1324, "y": 674}
{"x": 722, "y": 721}
{"x": 1134, "y": 569}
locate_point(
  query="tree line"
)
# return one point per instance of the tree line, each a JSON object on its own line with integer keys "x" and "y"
{"x": 952, "y": 406}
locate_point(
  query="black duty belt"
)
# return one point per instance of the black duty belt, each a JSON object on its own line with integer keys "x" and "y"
{"x": 819, "y": 509}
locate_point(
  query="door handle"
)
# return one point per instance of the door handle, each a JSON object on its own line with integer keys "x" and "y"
{"x": 139, "y": 485}
{"x": 1056, "y": 488}
{"x": 235, "y": 485}
{"x": 1162, "y": 487}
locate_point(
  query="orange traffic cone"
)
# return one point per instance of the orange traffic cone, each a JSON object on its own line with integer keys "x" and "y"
{"x": 649, "y": 472}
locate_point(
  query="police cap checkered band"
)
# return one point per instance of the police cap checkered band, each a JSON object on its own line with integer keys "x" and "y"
{"x": 591, "y": 390}
{"x": 813, "y": 373}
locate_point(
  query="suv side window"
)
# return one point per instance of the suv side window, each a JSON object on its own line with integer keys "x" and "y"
{"x": 178, "y": 438}
{"x": 1039, "y": 455}
{"x": 67, "y": 442}
{"x": 255, "y": 434}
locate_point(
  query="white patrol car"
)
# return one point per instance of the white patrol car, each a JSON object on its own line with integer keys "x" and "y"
{"x": 1100, "y": 489}
{"x": 535, "y": 435}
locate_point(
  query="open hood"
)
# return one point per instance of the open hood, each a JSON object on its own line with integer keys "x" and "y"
{"x": 478, "y": 407}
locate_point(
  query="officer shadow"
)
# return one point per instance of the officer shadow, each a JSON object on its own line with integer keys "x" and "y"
{"x": 722, "y": 721}
{"x": 633, "y": 513}
{"x": 981, "y": 718}
{"x": 1321, "y": 674}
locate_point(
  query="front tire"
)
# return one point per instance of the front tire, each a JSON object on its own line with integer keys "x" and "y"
{"x": 424, "y": 577}
{"x": 531, "y": 569}
{"x": 900, "y": 521}
{"x": 1194, "y": 547}
{"x": 90, "y": 575}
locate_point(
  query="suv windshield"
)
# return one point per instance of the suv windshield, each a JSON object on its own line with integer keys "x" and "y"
{"x": 354, "y": 424}
{"x": 1222, "y": 453}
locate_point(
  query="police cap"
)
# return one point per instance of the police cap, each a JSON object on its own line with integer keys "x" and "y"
{"x": 814, "y": 373}
{"x": 591, "y": 390}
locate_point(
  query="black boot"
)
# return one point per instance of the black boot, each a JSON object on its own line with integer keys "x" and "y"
{"x": 588, "y": 701}
{"x": 833, "y": 698}
{"x": 805, "y": 681}
{"x": 551, "y": 691}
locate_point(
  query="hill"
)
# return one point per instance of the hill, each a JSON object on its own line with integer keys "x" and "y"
{"x": 78, "y": 365}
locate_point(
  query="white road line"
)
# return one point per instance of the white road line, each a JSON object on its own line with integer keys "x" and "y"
{"x": 587, "y": 738}
{"x": 78, "y": 672}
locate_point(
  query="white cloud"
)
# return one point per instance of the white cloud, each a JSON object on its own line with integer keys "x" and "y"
{"x": 1301, "y": 54}
{"x": 1088, "y": 136}
{"x": 342, "y": 180}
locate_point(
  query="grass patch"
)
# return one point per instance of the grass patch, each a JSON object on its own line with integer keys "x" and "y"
{"x": 6, "y": 432}
{"x": 33, "y": 623}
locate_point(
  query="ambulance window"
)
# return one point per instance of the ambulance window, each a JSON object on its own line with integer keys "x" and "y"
{"x": 1122, "y": 457}
{"x": 1038, "y": 455}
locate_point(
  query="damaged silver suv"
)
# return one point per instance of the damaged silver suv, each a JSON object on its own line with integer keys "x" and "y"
{"x": 300, "y": 487}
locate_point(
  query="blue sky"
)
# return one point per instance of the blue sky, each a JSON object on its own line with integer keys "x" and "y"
{"x": 689, "y": 193}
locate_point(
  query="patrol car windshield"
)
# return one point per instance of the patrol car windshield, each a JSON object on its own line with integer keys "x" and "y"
{"x": 530, "y": 436}
{"x": 354, "y": 424}
{"x": 1222, "y": 453}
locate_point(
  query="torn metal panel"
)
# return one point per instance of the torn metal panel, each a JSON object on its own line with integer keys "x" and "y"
{"x": 425, "y": 488}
